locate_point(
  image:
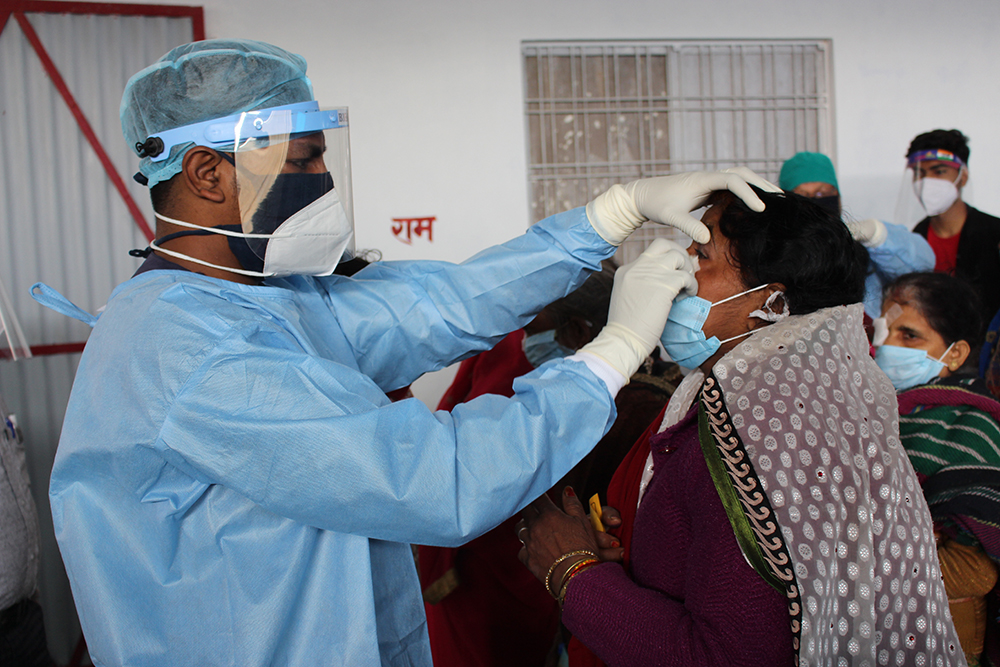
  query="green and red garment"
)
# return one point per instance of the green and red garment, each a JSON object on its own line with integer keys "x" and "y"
{"x": 951, "y": 431}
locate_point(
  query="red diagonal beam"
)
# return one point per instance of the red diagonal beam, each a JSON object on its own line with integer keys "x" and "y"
{"x": 81, "y": 120}
{"x": 47, "y": 350}
{"x": 196, "y": 14}
{"x": 57, "y": 348}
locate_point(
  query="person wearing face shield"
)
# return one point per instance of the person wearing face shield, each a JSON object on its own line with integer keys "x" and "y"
{"x": 893, "y": 250}
{"x": 966, "y": 241}
{"x": 232, "y": 485}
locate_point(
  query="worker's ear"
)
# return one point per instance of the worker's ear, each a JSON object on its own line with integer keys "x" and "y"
{"x": 207, "y": 174}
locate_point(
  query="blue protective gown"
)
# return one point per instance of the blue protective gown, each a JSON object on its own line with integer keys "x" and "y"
{"x": 233, "y": 487}
{"x": 901, "y": 252}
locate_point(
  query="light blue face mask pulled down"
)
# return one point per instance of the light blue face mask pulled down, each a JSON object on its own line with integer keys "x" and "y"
{"x": 908, "y": 366}
{"x": 683, "y": 338}
{"x": 542, "y": 347}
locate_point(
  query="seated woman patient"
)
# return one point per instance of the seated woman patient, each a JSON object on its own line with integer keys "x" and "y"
{"x": 770, "y": 517}
{"x": 949, "y": 424}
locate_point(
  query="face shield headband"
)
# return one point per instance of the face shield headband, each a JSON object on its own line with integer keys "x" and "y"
{"x": 221, "y": 133}
{"x": 938, "y": 154}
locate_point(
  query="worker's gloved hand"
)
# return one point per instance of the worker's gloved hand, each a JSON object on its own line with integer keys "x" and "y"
{"x": 870, "y": 233}
{"x": 669, "y": 200}
{"x": 641, "y": 298}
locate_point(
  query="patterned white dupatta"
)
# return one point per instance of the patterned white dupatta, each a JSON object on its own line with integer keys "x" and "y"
{"x": 801, "y": 434}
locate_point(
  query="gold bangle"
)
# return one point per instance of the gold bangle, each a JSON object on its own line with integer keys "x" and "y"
{"x": 573, "y": 569}
{"x": 552, "y": 568}
{"x": 589, "y": 563}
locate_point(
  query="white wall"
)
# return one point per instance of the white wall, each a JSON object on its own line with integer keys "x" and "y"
{"x": 435, "y": 92}
{"x": 436, "y": 97}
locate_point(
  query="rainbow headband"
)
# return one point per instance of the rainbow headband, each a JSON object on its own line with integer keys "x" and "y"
{"x": 933, "y": 154}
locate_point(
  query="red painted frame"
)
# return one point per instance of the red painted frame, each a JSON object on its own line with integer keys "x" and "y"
{"x": 196, "y": 14}
{"x": 18, "y": 9}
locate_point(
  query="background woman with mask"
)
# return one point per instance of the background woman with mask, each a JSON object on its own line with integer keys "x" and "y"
{"x": 765, "y": 516}
{"x": 949, "y": 426}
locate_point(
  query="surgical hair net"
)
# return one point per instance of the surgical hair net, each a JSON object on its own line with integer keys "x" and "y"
{"x": 205, "y": 80}
{"x": 807, "y": 168}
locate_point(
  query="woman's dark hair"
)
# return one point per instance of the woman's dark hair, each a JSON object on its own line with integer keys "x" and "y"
{"x": 800, "y": 244}
{"x": 949, "y": 304}
{"x": 949, "y": 140}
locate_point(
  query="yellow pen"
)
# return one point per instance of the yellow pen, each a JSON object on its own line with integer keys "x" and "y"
{"x": 595, "y": 512}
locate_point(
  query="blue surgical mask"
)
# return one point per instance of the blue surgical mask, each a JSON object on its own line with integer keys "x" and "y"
{"x": 908, "y": 366}
{"x": 683, "y": 338}
{"x": 542, "y": 347}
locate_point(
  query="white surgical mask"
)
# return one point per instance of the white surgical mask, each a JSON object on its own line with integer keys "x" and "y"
{"x": 936, "y": 194}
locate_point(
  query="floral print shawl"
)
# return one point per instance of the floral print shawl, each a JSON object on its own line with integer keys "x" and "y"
{"x": 800, "y": 430}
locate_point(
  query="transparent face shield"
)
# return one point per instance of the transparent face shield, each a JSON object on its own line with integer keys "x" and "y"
{"x": 293, "y": 178}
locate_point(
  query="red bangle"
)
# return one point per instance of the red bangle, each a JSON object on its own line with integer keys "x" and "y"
{"x": 576, "y": 569}
{"x": 555, "y": 564}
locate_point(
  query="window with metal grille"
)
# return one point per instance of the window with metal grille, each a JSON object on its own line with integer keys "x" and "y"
{"x": 600, "y": 113}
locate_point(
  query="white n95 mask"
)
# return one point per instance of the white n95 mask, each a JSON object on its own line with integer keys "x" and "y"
{"x": 936, "y": 194}
{"x": 312, "y": 241}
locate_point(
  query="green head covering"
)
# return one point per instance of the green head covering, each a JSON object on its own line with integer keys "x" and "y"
{"x": 807, "y": 168}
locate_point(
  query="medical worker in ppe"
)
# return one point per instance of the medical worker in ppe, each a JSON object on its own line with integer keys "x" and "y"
{"x": 893, "y": 249}
{"x": 232, "y": 485}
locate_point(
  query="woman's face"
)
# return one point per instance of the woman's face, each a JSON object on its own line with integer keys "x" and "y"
{"x": 719, "y": 279}
{"x": 909, "y": 328}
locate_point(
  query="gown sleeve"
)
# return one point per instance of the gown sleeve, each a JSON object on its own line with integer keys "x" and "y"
{"x": 404, "y": 319}
{"x": 319, "y": 443}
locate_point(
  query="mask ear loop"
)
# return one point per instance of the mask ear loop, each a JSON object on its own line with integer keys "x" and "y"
{"x": 945, "y": 354}
{"x": 736, "y": 296}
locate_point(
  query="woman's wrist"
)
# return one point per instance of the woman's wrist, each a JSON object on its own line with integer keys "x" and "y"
{"x": 579, "y": 554}
{"x": 571, "y": 572}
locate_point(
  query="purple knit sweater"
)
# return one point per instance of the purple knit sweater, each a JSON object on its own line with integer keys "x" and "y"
{"x": 692, "y": 599}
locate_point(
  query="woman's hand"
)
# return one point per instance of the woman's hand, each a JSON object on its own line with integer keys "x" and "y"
{"x": 548, "y": 533}
{"x": 610, "y": 549}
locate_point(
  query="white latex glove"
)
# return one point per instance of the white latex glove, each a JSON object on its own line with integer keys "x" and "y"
{"x": 870, "y": 233}
{"x": 641, "y": 298}
{"x": 669, "y": 200}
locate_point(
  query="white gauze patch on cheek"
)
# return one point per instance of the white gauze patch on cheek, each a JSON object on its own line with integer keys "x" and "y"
{"x": 883, "y": 323}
